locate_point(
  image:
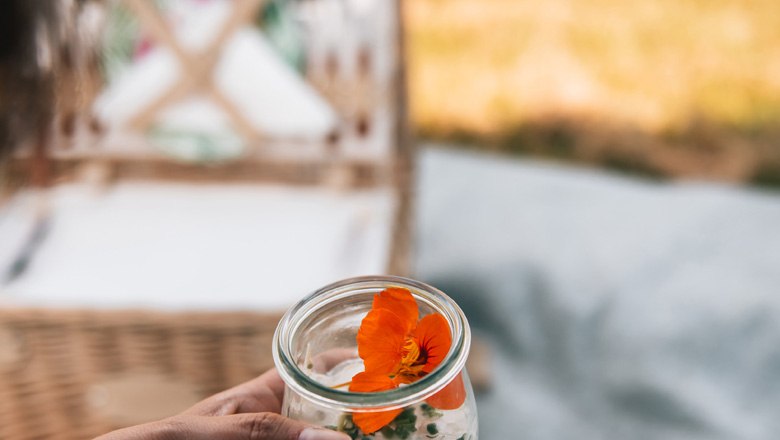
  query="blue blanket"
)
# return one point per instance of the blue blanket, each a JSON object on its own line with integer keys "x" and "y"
{"x": 616, "y": 308}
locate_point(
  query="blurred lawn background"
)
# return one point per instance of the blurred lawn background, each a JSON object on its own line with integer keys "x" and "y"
{"x": 663, "y": 88}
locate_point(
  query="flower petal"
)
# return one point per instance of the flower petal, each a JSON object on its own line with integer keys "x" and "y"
{"x": 450, "y": 397}
{"x": 380, "y": 341}
{"x": 371, "y": 383}
{"x": 399, "y": 301}
{"x": 433, "y": 336}
{"x": 370, "y": 422}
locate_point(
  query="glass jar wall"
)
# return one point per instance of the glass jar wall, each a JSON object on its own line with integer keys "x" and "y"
{"x": 316, "y": 353}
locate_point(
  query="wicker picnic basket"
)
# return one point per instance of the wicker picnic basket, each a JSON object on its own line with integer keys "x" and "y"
{"x": 78, "y": 373}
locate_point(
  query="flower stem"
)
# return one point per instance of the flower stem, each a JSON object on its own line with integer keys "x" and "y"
{"x": 342, "y": 385}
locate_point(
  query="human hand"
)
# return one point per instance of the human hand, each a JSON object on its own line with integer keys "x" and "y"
{"x": 248, "y": 411}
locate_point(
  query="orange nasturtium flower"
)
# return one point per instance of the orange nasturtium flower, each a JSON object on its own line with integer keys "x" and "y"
{"x": 396, "y": 349}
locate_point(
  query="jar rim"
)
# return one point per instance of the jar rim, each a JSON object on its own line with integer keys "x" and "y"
{"x": 401, "y": 397}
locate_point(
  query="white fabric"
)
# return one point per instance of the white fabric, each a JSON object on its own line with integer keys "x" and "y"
{"x": 274, "y": 98}
{"x": 179, "y": 247}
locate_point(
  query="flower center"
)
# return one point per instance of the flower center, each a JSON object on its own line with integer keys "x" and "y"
{"x": 412, "y": 362}
{"x": 411, "y": 352}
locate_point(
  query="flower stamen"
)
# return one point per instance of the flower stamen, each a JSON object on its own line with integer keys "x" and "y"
{"x": 411, "y": 352}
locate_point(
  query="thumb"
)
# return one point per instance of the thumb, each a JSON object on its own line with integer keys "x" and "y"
{"x": 259, "y": 426}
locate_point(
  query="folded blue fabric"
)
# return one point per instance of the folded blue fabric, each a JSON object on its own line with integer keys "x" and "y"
{"x": 617, "y": 308}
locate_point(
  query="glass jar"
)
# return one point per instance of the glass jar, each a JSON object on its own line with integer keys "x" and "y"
{"x": 315, "y": 351}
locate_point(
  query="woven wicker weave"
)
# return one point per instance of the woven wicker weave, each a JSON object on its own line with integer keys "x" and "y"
{"x": 58, "y": 367}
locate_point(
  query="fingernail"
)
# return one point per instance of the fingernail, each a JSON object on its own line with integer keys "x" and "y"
{"x": 322, "y": 434}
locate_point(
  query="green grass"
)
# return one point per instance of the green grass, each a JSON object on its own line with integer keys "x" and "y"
{"x": 668, "y": 87}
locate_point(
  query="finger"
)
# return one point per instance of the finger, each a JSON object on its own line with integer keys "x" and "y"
{"x": 262, "y": 426}
{"x": 148, "y": 431}
{"x": 261, "y": 394}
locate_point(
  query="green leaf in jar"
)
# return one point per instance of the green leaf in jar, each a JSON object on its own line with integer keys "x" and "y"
{"x": 347, "y": 426}
{"x": 405, "y": 424}
{"x": 430, "y": 412}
